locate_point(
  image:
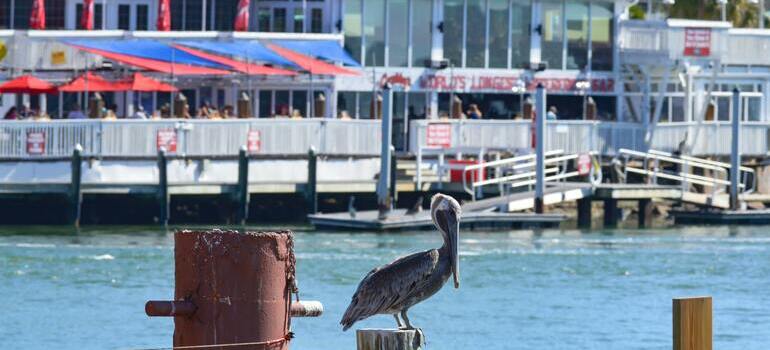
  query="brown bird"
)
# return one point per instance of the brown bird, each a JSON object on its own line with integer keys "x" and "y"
{"x": 395, "y": 287}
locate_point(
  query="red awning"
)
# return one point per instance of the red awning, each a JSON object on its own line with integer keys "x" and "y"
{"x": 155, "y": 65}
{"x": 140, "y": 82}
{"x": 247, "y": 68}
{"x": 27, "y": 84}
{"x": 310, "y": 64}
{"x": 93, "y": 82}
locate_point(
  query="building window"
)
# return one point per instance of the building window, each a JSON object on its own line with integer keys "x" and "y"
{"x": 422, "y": 28}
{"x": 263, "y": 18}
{"x": 552, "y": 41}
{"x": 398, "y": 33}
{"x": 142, "y": 17}
{"x": 374, "y": 32}
{"x": 279, "y": 19}
{"x": 282, "y": 103}
{"x": 352, "y": 27}
{"x": 299, "y": 20}
{"x": 22, "y": 10}
{"x": 54, "y": 14}
{"x": 177, "y": 8}
{"x": 316, "y": 20}
{"x": 299, "y": 104}
{"x": 577, "y": 34}
{"x": 346, "y": 104}
{"x": 453, "y": 31}
{"x": 193, "y": 15}
{"x": 224, "y": 14}
{"x": 601, "y": 36}
{"x": 97, "y": 16}
{"x": 265, "y": 103}
{"x": 475, "y": 42}
{"x": 498, "y": 33}
{"x": 5, "y": 11}
{"x": 124, "y": 17}
{"x": 521, "y": 15}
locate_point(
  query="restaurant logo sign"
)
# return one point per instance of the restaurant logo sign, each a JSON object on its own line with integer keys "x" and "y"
{"x": 697, "y": 42}
{"x": 439, "y": 135}
{"x": 35, "y": 142}
{"x": 397, "y": 79}
{"x": 166, "y": 138}
{"x": 254, "y": 141}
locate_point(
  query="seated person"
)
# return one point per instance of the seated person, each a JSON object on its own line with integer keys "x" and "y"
{"x": 11, "y": 114}
{"x": 76, "y": 113}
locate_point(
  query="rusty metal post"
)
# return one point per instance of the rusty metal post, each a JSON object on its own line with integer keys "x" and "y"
{"x": 75, "y": 193}
{"x": 234, "y": 289}
{"x": 163, "y": 196}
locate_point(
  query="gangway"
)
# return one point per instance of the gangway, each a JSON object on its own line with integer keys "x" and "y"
{"x": 656, "y": 166}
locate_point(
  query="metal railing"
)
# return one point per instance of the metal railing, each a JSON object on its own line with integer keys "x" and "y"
{"x": 715, "y": 174}
{"x": 205, "y": 138}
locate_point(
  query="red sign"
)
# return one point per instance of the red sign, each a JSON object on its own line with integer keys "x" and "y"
{"x": 254, "y": 141}
{"x": 166, "y": 138}
{"x": 35, "y": 142}
{"x": 697, "y": 42}
{"x": 439, "y": 135}
{"x": 584, "y": 164}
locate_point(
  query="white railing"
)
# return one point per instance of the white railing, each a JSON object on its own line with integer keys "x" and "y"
{"x": 139, "y": 138}
{"x": 606, "y": 138}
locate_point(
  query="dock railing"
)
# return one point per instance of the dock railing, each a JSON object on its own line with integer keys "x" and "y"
{"x": 34, "y": 140}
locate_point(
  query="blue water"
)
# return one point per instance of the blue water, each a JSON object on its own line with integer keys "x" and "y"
{"x": 551, "y": 289}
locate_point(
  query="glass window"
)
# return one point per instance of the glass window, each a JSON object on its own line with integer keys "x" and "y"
{"x": 498, "y": 33}
{"x": 753, "y": 108}
{"x": 225, "y": 12}
{"x": 193, "y": 15}
{"x": 352, "y": 28}
{"x": 475, "y": 43}
{"x": 177, "y": 7}
{"x": 422, "y": 28}
{"x": 417, "y": 106}
{"x": 263, "y": 17}
{"x": 142, "y": 17}
{"x": 723, "y": 108}
{"x": 124, "y": 17}
{"x": 601, "y": 36}
{"x": 365, "y": 105}
{"x": 5, "y": 10}
{"x": 54, "y": 18}
{"x": 346, "y": 104}
{"x": 552, "y": 38}
{"x": 265, "y": 103}
{"x": 316, "y": 20}
{"x": 282, "y": 103}
{"x": 374, "y": 32}
{"x": 453, "y": 31}
{"x": 398, "y": 11}
{"x": 22, "y": 10}
{"x": 279, "y": 19}
{"x": 677, "y": 109}
{"x": 521, "y": 14}
{"x": 299, "y": 19}
{"x": 577, "y": 34}
{"x": 299, "y": 103}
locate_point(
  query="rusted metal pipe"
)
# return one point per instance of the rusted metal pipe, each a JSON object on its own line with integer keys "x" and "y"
{"x": 306, "y": 308}
{"x": 169, "y": 308}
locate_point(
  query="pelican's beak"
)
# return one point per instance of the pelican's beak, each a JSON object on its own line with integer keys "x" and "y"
{"x": 454, "y": 236}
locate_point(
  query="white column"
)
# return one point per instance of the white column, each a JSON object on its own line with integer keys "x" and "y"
{"x": 735, "y": 150}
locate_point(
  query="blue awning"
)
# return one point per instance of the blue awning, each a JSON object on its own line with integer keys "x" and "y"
{"x": 147, "y": 49}
{"x": 325, "y": 49}
{"x": 250, "y": 50}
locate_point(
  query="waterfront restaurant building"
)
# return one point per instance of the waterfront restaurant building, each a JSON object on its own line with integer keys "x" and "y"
{"x": 491, "y": 53}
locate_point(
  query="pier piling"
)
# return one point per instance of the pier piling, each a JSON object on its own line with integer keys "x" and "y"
{"x": 393, "y": 177}
{"x": 645, "y": 213}
{"x": 75, "y": 193}
{"x": 692, "y": 321}
{"x": 735, "y": 151}
{"x": 242, "y": 192}
{"x": 584, "y": 213}
{"x": 611, "y": 213}
{"x": 540, "y": 118}
{"x": 311, "y": 192}
{"x": 381, "y": 339}
{"x": 163, "y": 195}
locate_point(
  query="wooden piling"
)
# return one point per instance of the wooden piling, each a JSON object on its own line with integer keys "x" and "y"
{"x": 242, "y": 192}
{"x": 163, "y": 196}
{"x": 611, "y": 212}
{"x": 311, "y": 193}
{"x": 393, "y": 177}
{"x": 390, "y": 339}
{"x": 645, "y": 213}
{"x": 692, "y": 321}
{"x": 75, "y": 193}
{"x": 584, "y": 213}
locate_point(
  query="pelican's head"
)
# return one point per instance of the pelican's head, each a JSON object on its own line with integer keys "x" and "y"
{"x": 445, "y": 212}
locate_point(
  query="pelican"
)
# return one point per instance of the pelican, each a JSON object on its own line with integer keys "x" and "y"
{"x": 395, "y": 287}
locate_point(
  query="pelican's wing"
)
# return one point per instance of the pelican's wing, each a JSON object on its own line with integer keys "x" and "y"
{"x": 389, "y": 285}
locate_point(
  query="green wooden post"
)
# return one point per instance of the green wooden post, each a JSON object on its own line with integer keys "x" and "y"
{"x": 163, "y": 196}
{"x": 75, "y": 194}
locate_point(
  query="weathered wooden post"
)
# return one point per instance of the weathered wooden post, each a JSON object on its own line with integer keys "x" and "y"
{"x": 233, "y": 290}
{"x": 735, "y": 151}
{"x": 645, "y": 212}
{"x": 692, "y": 323}
{"x": 242, "y": 192}
{"x": 163, "y": 196}
{"x": 311, "y": 191}
{"x": 611, "y": 212}
{"x": 383, "y": 194}
{"x": 389, "y": 339}
{"x": 393, "y": 176}
{"x": 75, "y": 193}
{"x": 540, "y": 118}
{"x": 584, "y": 212}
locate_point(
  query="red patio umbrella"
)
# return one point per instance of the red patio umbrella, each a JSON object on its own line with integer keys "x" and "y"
{"x": 142, "y": 83}
{"x": 27, "y": 84}
{"x": 94, "y": 83}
